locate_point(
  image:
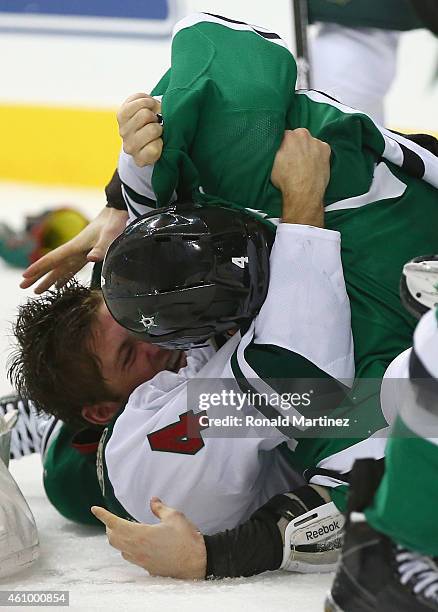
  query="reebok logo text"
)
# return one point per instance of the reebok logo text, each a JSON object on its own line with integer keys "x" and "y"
{"x": 325, "y": 530}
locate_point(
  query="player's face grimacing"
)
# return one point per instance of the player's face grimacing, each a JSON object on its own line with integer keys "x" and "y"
{"x": 125, "y": 361}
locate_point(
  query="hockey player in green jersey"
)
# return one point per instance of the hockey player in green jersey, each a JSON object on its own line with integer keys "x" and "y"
{"x": 226, "y": 102}
{"x": 378, "y": 178}
{"x": 391, "y": 544}
{"x": 224, "y": 116}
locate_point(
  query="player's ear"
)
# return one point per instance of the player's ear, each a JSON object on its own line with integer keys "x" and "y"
{"x": 101, "y": 413}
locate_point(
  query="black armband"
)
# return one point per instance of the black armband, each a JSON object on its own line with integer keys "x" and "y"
{"x": 255, "y": 546}
{"x": 113, "y": 192}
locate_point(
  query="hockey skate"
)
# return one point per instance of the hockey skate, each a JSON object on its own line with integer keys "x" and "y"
{"x": 376, "y": 575}
{"x": 26, "y": 436}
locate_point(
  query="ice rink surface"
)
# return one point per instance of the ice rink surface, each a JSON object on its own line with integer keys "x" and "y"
{"x": 79, "y": 559}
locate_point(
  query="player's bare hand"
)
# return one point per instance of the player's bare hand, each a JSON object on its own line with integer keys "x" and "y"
{"x": 140, "y": 129}
{"x": 173, "y": 548}
{"x": 301, "y": 171}
{"x": 90, "y": 244}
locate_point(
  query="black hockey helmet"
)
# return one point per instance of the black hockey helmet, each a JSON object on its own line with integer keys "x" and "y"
{"x": 419, "y": 285}
{"x": 181, "y": 274}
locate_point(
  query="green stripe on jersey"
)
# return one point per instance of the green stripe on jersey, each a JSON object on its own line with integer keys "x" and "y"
{"x": 111, "y": 501}
{"x": 361, "y": 406}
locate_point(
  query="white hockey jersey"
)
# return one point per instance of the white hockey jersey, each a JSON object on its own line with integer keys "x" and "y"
{"x": 218, "y": 479}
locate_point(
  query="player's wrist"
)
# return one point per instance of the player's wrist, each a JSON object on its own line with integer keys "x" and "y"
{"x": 251, "y": 548}
{"x": 309, "y": 211}
{"x": 198, "y": 560}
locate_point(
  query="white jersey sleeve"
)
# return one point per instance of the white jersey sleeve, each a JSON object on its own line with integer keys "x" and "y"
{"x": 307, "y": 309}
{"x": 137, "y": 187}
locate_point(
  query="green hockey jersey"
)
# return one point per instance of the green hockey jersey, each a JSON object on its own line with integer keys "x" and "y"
{"x": 227, "y": 100}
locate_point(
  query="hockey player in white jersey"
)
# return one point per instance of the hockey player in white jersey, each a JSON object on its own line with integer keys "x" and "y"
{"x": 239, "y": 471}
{"x": 387, "y": 561}
{"x": 19, "y": 546}
{"x": 147, "y": 439}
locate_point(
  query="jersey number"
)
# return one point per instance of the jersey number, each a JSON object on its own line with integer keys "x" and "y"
{"x": 182, "y": 437}
{"x": 240, "y": 261}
